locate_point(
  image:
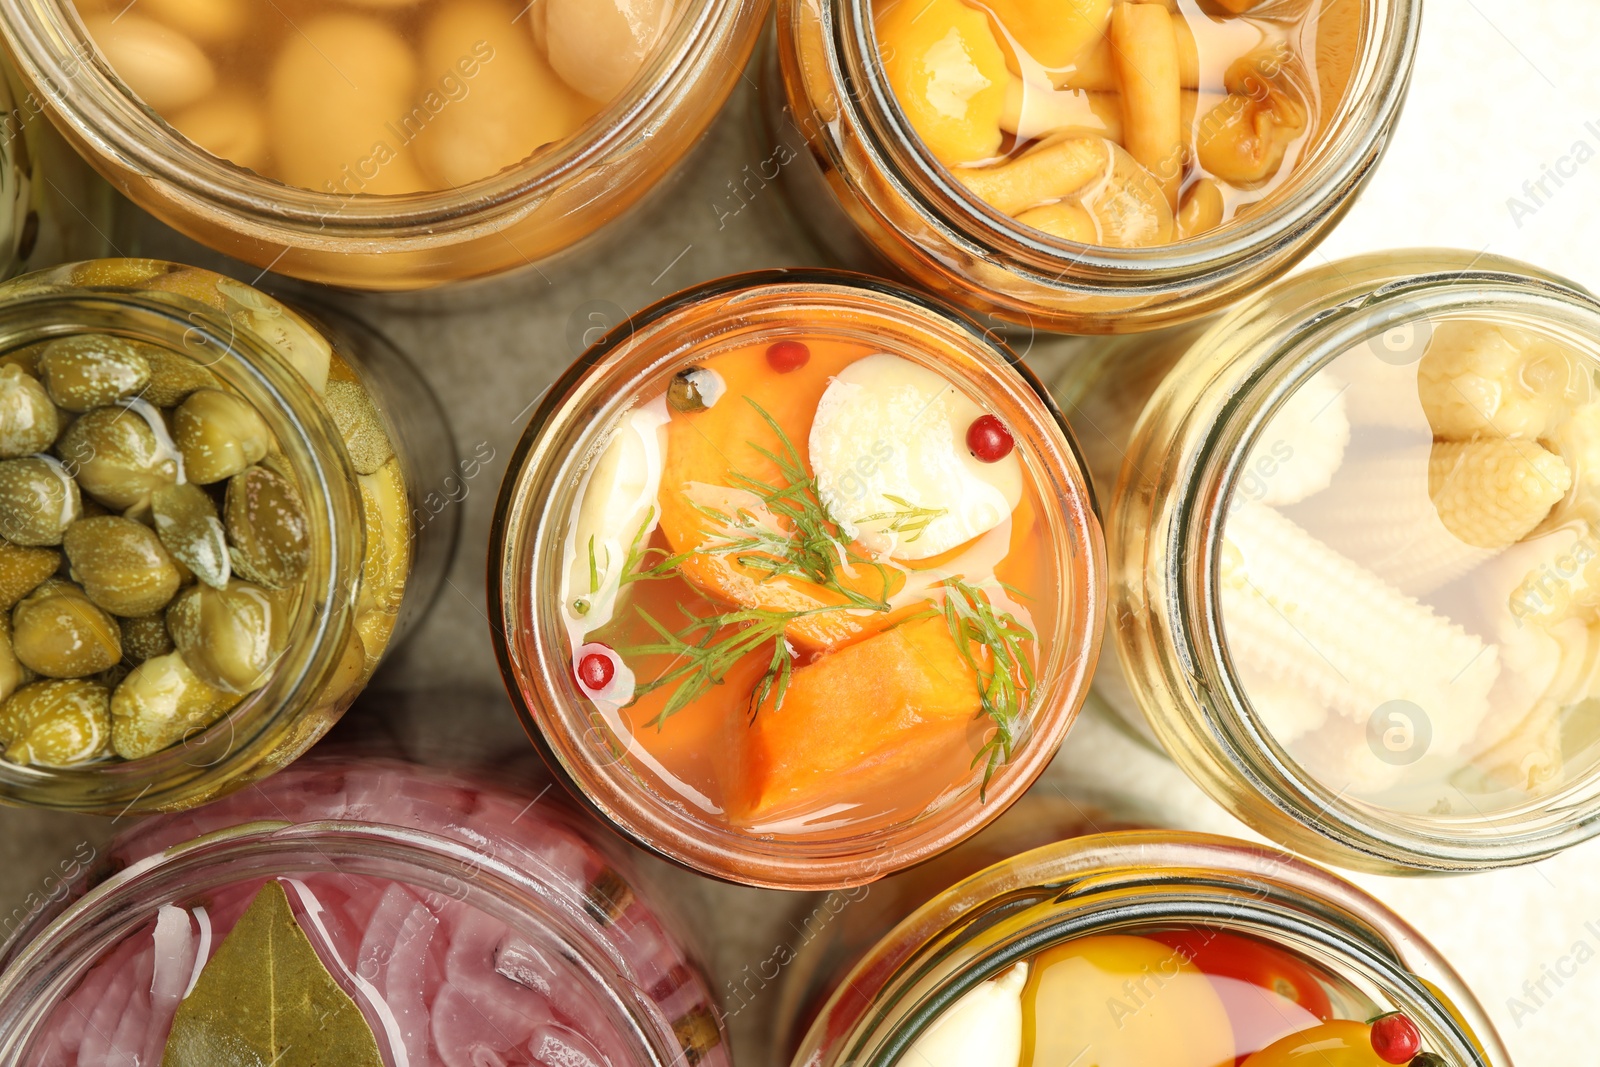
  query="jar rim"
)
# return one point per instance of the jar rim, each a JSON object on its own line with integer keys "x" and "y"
{"x": 1123, "y": 881}
{"x": 52, "y": 50}
{"x": 603, "y": 376}
{"x": 182, "y": 773}
{"x": 38, "y": 971}
{"x": 1272, "y": 354}
{"x": 1339, "y": 167}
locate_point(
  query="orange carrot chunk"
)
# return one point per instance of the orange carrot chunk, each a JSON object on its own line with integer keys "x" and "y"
{"x": 882, "y": 707}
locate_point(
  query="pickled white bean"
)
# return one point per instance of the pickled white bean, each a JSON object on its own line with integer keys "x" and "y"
{"x": 336, "y": 96}
{"x": 164, "y": 68}
{"x": 207, "y": 21}
{"x": 597, "y": 46}
{"x": 230, "y": 125}
{"x": 488, "y": 99}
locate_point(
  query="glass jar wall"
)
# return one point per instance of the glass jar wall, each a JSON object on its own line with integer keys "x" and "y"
{"x": 796, "y": 578}
{"x": 1351, "y": 545}
{"x": 210, "y": 535}
{"x": 1092, "y": 173}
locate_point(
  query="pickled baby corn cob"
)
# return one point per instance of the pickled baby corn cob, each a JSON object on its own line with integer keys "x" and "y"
{"x": 1481, "y": 378}
{"x": 1378, "y": 512}
{"x": 1302, "y": 447}
{"x": 1493, "y": 492}
{"x": 1299, "y": 614}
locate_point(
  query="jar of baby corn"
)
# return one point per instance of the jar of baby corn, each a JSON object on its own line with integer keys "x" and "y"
{"x": 1098, "y": 166}
{"x": 1353, "y": 545}
{"x": 382, "y": 145}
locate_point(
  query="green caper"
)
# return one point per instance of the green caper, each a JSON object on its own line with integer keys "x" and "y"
{"x": 13, "y": 675}
{"x": 120, "y": 455}
{"x": 145, "y": 638}
{"x": 38, "y": 501}
{"x": 359, "y": 424}
{"x": 59, "y": 632}
{"x": 219, "y": 435}
{"x": 121, "y": 565}
{"x": 57, "y": 723}
{"x": 22, "y": 569}
{"x": 91, "y": 370}
{"x": 25, "y": 358}
{"x": 186, "y": 520}
{"x": 267, "y": 527}
{"x": 160, "y": 703}
{"x": 695, "y": 389}
{"x": 29, "y": 422}
{"x": 229, "y": 637}
{"x": 173, "y": 377}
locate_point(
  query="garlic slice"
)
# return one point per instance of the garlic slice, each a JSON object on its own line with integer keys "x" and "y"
{"x": 888, "y": 448}
{"x": 982, "y": 1029}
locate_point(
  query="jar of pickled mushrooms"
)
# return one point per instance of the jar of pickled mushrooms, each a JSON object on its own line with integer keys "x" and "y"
{"x": 383, "y": 145}
{"x": 207, "y": 539}
{"x": 1092, "y": 166}
{"x": 1352, "y": 542}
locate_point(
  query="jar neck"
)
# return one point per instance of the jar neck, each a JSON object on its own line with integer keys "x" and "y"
{"x": 104, "y": 118}
{"x": 1121, "y": 883}
{"x": 241, "y": 742}
{"x": 1192, "y": 446}
{"x": 1307, "y": 205}
{"x": 40, "y": 973}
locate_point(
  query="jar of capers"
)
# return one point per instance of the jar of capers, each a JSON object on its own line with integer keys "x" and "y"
{"x": 207, "y": 541}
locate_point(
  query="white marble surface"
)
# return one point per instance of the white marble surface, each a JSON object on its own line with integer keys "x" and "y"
{"x": 1503, "y": 89}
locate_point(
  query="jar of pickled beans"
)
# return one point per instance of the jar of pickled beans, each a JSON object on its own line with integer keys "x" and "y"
{"x": 384, "y": 145}
{"x": 1137, "y": 948}
{"x": 796, "y": 579}
{"x": 1353, "y": 537}
{"x": 207, "y": 537}
{"x": 1093, "y": 166}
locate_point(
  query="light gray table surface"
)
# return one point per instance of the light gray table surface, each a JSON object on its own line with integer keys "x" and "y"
{"x": 1503, "y": 91}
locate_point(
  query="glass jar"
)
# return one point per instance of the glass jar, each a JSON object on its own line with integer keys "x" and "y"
{"x": 1410, "y": 689}
{"x": 52, "y": 206}
{"x": 808, "y": 777}
{"x": 339, "y": 235}
{"x": 862, "y": 176}
{"x": 466, "y": 922}
{"x": 243, "y": 533}
{"x": 1330, "y": 943}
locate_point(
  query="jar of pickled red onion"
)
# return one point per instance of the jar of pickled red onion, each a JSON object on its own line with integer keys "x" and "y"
{"x": 1353, "y": 537}
{"x": 421, "y": 920}
{"x": 1136, "y": 948}
{"x": 796, "y": 579}
{"x": 1097, "y": 167}
{"x": 383, "y": 146}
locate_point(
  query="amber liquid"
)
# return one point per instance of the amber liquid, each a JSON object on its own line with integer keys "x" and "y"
{"x": 373, "y": 97}
{"x": 699, "y": 754}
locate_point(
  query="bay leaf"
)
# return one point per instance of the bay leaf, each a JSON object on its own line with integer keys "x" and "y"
{"x": 265, "y": 1000}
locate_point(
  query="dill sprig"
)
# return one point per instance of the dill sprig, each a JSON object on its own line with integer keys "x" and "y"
{"x": 811, "y": 549}
{"x": 906, "y": 518}
{"x": 708, "y": 647}
{"x": 973, "y": 620}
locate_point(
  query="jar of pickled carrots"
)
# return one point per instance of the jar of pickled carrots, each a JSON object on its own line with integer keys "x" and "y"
{"x": 389, "y": 145}
{"x": 1097, "y": 166}
{"x": 796, "y": 579}
{"x": 370, "y": 915}
{"x": 207, "y": 535}
{"x": 1352, "y": 543}
{"x": 1138, "y": 948}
